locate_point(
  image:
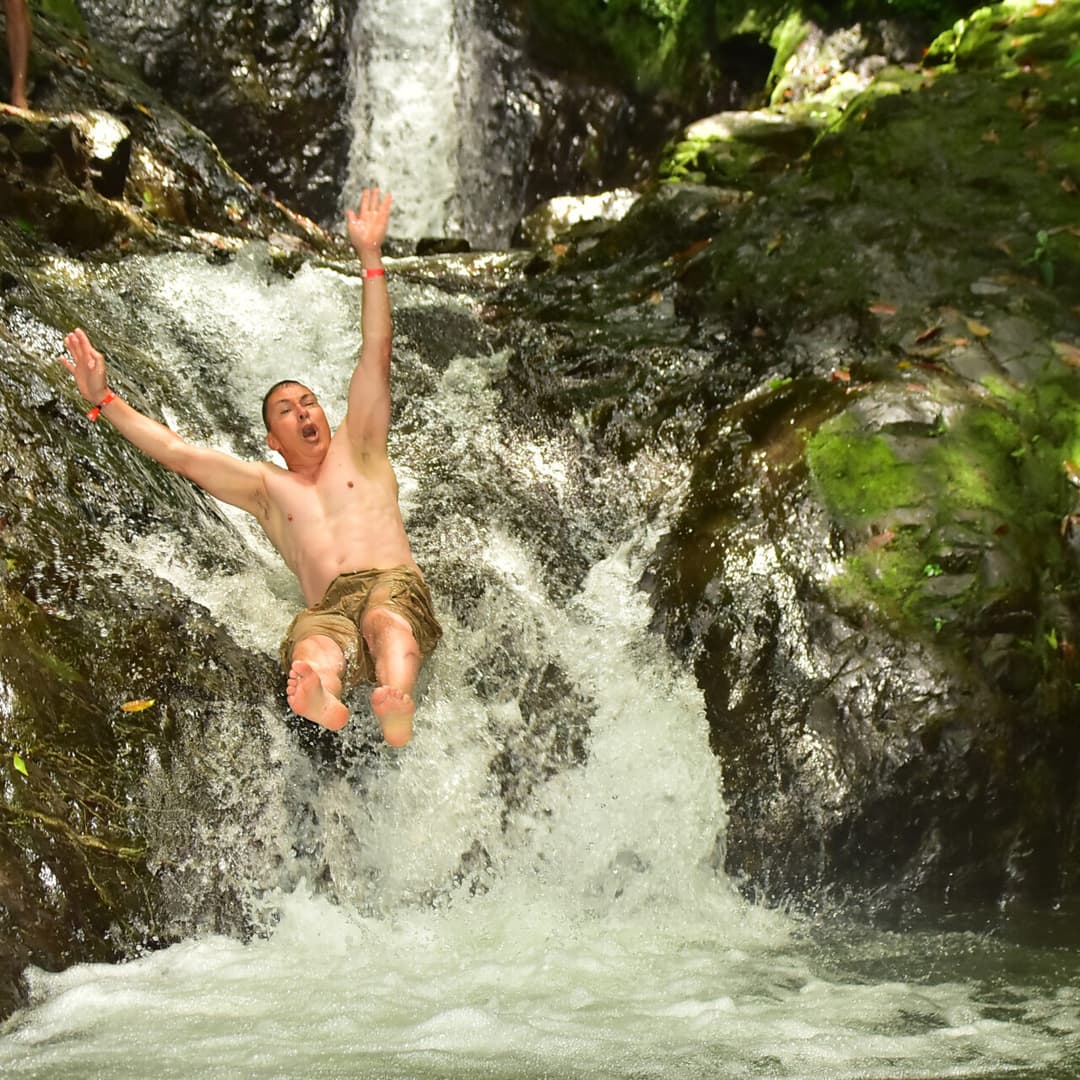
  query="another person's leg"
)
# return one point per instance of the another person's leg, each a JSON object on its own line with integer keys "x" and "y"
{"x": 18, "y": 43}
{"x": 396, "y": 656}
{"x": 313, "y": 686}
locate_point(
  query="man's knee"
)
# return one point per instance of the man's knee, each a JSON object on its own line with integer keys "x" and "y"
{"x": 320, "y": 650}
{"x": 382, "y": 627}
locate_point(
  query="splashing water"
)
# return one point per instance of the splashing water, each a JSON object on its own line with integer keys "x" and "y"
{"x": 530, "y": 888}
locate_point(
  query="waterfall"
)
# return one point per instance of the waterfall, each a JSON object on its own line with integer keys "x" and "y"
{"x": 406, "y": 73}
{"x": 436, "y": 122}
{"x": 532, "y": 886}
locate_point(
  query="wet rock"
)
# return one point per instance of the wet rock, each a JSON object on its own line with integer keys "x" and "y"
{"x": 871, "y": 565}
{"x": 264, "y": 79}
{"x": 106, "y": 163}
{"x": 556, "y": 217}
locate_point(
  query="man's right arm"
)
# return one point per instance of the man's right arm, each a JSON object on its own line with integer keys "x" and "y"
{"x": 241, "y": 483}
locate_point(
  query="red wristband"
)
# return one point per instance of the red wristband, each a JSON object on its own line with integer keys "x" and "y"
{"x": 375, "y": 271}
{"x": 110, "y": 395}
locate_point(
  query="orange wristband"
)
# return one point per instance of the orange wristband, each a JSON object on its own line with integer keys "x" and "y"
{"x": 375, "y": 271}
{"x": 110, "y": 395}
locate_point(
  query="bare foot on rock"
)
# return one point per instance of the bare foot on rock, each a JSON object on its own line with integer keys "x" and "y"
{"x": 395, "y": 709}
{"x": 309, "y": 698}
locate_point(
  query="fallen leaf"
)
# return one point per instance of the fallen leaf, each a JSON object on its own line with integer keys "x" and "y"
{"x": 882, "y": 309}
{"x": 1002, "y": 530}
{"x": 841, "y": 375}
{"x": 917, "y": 387}
{"x": 958, "y": 342}
{"x": 977, "y": 328}
{"x": 1003, "y": 246}
{"x": 1072, "y": 472}
{"x": 880, "y": 540}
{"x": 928, "y": 352}
{"x": 1067, "y": 352}
{"x": 20, "y": 765}
{"x": 1068, "y": 186}
{"x": 774, "y": 244}
{"x": 928, "y": 334}
{"x": 990, "y": 136}
{"x": 137, "y": 706}
{"x": 693, "y": 249}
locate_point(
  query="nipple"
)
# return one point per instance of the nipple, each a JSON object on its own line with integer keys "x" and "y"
{"x": 290, "y": 517}
{"x": 350, "y": 483}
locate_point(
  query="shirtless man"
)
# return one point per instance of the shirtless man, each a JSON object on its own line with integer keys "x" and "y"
{"x": 18, "y": 43}
{"x": 332, "y": 513}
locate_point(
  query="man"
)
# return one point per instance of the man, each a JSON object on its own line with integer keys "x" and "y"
{"x": 332, "y": 513}
{"x": 18, "y": 44}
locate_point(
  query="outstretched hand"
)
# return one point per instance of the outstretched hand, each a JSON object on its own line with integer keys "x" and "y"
{"x": 367, "y": 226}
{"x": 86, "y": 364}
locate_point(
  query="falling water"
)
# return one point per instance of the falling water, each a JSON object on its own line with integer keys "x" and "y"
{"x": 532, "y": 887}
{"x": 435, "y": 121}
{"x": 407, "y": 67}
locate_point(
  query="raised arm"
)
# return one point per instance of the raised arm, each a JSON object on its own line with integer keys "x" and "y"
{"x": 241, "y": 483}
{"x": 368, "y": 418}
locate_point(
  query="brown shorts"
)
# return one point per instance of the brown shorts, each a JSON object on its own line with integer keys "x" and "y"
{"x": 341, "y": 611}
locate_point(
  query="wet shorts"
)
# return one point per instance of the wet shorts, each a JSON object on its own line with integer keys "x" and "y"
{"x": 340, "y": 614}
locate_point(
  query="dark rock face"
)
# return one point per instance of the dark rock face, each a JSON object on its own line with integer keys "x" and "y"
{"x": 267, "y": 80}
{"x": 106, "y": 164}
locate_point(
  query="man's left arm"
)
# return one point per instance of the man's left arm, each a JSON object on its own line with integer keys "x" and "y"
{"x": 368, "y": 416}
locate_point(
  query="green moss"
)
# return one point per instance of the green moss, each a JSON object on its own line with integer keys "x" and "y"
{"x": 992, "y": 478}
{"x": 859, "y": 473}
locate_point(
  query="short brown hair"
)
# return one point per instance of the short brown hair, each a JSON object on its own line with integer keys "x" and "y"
{"x": 266, "y": 397}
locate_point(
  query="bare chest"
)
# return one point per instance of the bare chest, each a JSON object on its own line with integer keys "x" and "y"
{"x": 338, "y": 491}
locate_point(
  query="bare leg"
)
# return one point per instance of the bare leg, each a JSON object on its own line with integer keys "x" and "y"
{"x": 397, "y": 664}
{"x": 314, "y": 682}
{"x": 18, "y": 41}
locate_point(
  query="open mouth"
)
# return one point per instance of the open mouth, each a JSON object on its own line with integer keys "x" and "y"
{"x": 310, "y": 431}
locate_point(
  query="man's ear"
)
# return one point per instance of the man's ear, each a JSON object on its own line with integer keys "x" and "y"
{"x": 272, "y": 442}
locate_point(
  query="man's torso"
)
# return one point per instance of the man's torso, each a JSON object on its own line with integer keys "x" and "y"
{"x": 345, "y": 517}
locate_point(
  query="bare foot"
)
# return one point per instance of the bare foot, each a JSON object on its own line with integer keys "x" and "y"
{"x": 309, "y": 698}
{"x": 395, "y": 709}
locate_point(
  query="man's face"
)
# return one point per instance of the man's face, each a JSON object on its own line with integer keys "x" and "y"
{"x": 298, "y": 429}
